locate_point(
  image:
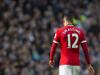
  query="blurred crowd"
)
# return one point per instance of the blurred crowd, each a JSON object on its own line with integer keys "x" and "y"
{"x": 27, "y": 28}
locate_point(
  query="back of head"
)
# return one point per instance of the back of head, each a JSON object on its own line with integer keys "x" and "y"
{"x": 67, "y": 20}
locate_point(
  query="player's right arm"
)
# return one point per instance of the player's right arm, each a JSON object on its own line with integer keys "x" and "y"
{"x": 86, "y": 53}
{"x": 53, "y": 48}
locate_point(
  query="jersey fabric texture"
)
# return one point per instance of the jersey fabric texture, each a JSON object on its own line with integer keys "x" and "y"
{"x": 70, "y": 38}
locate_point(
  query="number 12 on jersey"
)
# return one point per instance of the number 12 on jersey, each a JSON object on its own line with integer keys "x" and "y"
{"x": 74, "y": 45}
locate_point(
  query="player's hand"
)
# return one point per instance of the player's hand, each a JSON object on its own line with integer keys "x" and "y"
{"x": 51, "y": 63}
{"x": 91, "y": 70}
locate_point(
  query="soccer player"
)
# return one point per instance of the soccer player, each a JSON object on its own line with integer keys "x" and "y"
{"x": 70, "y": 38}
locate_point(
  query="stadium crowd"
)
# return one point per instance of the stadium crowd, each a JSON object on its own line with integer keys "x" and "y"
{"x": 28, "y": 26}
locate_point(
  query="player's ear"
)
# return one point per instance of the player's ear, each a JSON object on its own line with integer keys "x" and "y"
{"x": 65, "y": 21}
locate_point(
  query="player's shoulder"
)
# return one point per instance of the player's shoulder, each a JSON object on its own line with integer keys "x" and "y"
{"x": 80, "y": 29}
{"x": 59, "y": 29}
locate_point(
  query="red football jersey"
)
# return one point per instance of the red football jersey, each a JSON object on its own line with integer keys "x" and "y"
{"x": 70, "y": 38}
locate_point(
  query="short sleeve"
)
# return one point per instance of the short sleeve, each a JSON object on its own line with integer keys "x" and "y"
{"x": 56, "y": 37}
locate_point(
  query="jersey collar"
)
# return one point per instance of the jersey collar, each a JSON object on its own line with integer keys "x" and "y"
{"x": 70, "y": 25}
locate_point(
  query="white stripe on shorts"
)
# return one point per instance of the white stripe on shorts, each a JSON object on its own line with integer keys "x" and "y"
{"x": 69, "y": 70}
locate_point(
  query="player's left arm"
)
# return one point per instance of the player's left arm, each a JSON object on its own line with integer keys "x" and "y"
{"x": 86, "y": 53}
{"x": 53, "y": 48}
{"x": 87, "y": 57}
{"x": 85, "y": 47}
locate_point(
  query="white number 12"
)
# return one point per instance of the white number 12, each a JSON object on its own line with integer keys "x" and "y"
{"x": 74, "y": 45}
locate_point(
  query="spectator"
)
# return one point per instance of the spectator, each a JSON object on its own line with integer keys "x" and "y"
{"x": 26, "y": 28}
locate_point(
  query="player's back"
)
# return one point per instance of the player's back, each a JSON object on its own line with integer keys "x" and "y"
{"x": 70, "y": 40}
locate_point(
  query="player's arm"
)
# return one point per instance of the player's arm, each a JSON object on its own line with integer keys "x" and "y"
{"x": 53, "y": 48}
{"x": 85, "y": 50}
{"x": 86, "y": 53}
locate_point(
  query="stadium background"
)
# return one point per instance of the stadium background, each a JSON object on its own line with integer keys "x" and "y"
{"x": 27, "y": 28}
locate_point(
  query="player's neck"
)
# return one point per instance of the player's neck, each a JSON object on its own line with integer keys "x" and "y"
{"x": 70, "y": 25}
